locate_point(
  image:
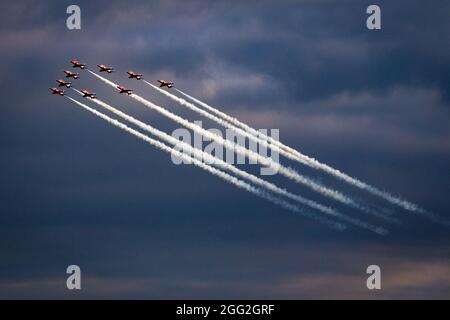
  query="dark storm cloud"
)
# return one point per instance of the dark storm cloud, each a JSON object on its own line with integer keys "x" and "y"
{"x": 302, "y": 48}
{"x": 76, "y": 190}
{"x": 312, "y": 49}
{"x": 235, "y": 270}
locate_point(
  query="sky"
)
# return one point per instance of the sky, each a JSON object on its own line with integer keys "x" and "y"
{"x": 75, "y": 190}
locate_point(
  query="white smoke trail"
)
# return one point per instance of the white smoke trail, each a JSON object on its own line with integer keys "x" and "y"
{"x": 254, "y": 136}
{"x": 287, "y": 172}
{"x": 225, "y": 176}
{"x": 199, "y": 154}
{"x": 288, "y": 152}
{"x": 313, "y": 163}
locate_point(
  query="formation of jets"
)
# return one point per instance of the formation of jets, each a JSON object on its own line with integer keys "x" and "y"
{"x": 103, "y": 68}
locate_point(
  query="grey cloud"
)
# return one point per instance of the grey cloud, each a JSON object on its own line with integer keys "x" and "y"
{"x": 73, "y": 188}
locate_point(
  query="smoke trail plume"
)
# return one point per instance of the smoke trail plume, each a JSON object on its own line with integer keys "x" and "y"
{"x": 287, "y": 172}
{"x": 256, "y": 139}
{"x": 253, "y": 136}
{"x": 223, "y": 175}
{"x": 315, "y": 164}
{"x": 199, "y": 154}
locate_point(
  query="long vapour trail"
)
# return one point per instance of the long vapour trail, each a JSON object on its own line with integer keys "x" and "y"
{"x": 315, "y": 164}
{"x": 223, "y": 175}
{"x": 200, "y": 154}
{"x": 287, "y": 172}
{"x": 254, "y": 136}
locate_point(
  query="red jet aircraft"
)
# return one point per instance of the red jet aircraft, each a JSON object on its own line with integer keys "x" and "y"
{"x": 62, "y": 83}
{"x": 132, "y": 74}
{"x": 88, "y": 94}
{"x": 77, "y": 64}
{"x": 104, "y": 68}
{"x": 70, "y": 74}
{"x": 57, "y": 91}
{"x": 124, "y": 90}
{"x": 164, "y": 83}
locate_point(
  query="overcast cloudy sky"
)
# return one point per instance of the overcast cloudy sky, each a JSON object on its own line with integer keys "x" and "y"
{"x": 75, "y": 190}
